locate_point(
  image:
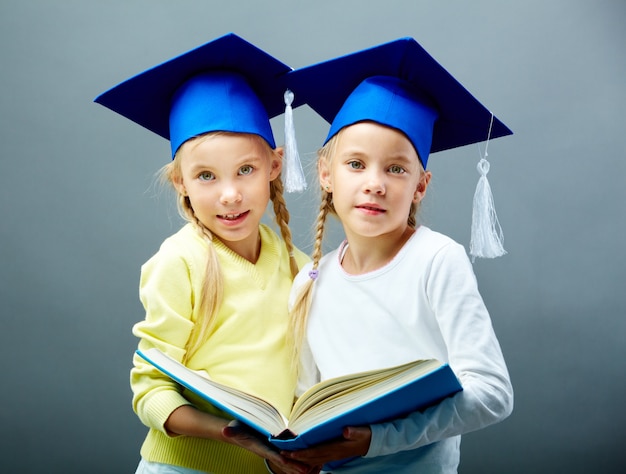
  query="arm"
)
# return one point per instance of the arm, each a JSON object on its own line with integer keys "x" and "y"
{"x": 166, "y": 294}
{"x": 474, "y": 354}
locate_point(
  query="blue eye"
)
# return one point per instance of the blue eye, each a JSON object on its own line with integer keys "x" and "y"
{"x": 245, "y": 170}
{"x": 206, "y": 176}
{"x": 355, "y": 165}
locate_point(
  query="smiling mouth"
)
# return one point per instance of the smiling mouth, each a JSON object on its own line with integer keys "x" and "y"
{"x": 232, "y": 217}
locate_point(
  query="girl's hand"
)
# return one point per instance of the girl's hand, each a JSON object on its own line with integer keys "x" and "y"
{"x": 355, "y": 443}
{"x": 241, "y": 435}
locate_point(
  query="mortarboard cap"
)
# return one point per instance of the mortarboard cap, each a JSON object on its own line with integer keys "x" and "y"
{"x": 397, "y": 84}
{"x": 227, "y": 85}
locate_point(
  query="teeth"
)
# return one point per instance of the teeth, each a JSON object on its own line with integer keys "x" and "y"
{"x": 231, "y": 216}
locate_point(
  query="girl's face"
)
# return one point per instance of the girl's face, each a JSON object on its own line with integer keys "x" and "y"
{"x": 374, "y": 175}
{"x": 226, "y": 177}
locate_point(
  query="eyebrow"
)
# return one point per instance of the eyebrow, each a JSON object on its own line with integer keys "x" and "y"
{"x": 352, "y": 154}
{"x": 402, "y": 159}
{"x": 251, "y": 159}
{"x": 397, "y": 158}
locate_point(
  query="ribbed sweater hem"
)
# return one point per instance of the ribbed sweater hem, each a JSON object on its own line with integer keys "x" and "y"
{"x": 205, "y": 455}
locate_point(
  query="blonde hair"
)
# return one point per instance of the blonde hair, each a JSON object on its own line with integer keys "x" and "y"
{"x": 210, "y": 298}
{"x": 302, "y": 303}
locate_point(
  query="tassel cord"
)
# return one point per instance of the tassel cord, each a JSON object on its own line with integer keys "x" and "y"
{"x": 293, "y": 174}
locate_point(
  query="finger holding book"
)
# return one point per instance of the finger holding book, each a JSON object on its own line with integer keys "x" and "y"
{"x": 354, "y": 443}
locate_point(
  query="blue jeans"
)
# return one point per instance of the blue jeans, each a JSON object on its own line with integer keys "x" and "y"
{"x": 148, "y": 467}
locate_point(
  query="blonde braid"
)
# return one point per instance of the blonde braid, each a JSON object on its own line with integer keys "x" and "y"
{"x": 326, "y": 207}
{"x": 412, "y": 220}
{"x": 282, "y": 219}
{"x": 300, "y": 311}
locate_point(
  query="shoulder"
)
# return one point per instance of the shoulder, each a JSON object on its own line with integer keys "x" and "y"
{"x": 185, "y": 246}
{"x": 186, "y": 237}
{"x": 436, "y": 239}
{"x": 432, "y": 244}
{"x": 429, "y": 252}
{"x": 442, "y": 260}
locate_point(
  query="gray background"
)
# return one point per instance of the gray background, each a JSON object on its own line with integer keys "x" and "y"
{"x": 80, "y": 211}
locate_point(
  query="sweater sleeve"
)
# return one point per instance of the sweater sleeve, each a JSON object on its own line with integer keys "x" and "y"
{"x": 166, "y": 293}
{"x": 474, "y": 355}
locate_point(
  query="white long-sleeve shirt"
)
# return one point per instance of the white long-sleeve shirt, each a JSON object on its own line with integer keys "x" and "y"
{"x": 423, "y": 304}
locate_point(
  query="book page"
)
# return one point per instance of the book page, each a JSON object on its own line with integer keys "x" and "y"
{"x": 335, "y": 396}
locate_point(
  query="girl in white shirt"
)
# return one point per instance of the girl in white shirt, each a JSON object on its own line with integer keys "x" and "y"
{"x": 394, "y": 291}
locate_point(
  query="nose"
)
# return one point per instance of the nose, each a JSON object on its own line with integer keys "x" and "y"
{"x": 230, "y": 194}
{"x": 375, "y": 183}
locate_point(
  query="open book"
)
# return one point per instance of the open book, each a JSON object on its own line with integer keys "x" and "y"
{"x": 322, "y": 412}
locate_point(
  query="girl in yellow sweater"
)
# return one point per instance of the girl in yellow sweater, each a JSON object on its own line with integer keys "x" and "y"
{"x": 216, "y": 292}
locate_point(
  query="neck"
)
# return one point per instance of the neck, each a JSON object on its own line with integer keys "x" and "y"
{"x": 249, "y": 248}
{"x": 365, "y": 254}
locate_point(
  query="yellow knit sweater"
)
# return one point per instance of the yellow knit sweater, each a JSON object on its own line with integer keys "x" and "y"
{"x": 246, "y": 348}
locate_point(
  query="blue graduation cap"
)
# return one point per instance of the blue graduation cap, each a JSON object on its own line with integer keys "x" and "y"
{"x": 397, "y": 84}
{"x": 226, "y": 85}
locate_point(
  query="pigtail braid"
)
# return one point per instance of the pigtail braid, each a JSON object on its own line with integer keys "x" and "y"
{"x": 412, "y": 220}
{"x": 415, "y": 206}
{"x": 302, "y": 304}
{"x": 282, "y": 219}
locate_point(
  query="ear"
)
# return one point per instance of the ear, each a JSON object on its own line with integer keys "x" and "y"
{"x": 276, "y": 162}
{"x": 422, "y": 185}
{"x": 323, "y": 172}
{"x": 178, "y": 184}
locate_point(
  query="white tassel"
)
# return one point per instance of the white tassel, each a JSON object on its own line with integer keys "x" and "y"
{"x": 487, "y": 237}
{"x": 293, "y": 175}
